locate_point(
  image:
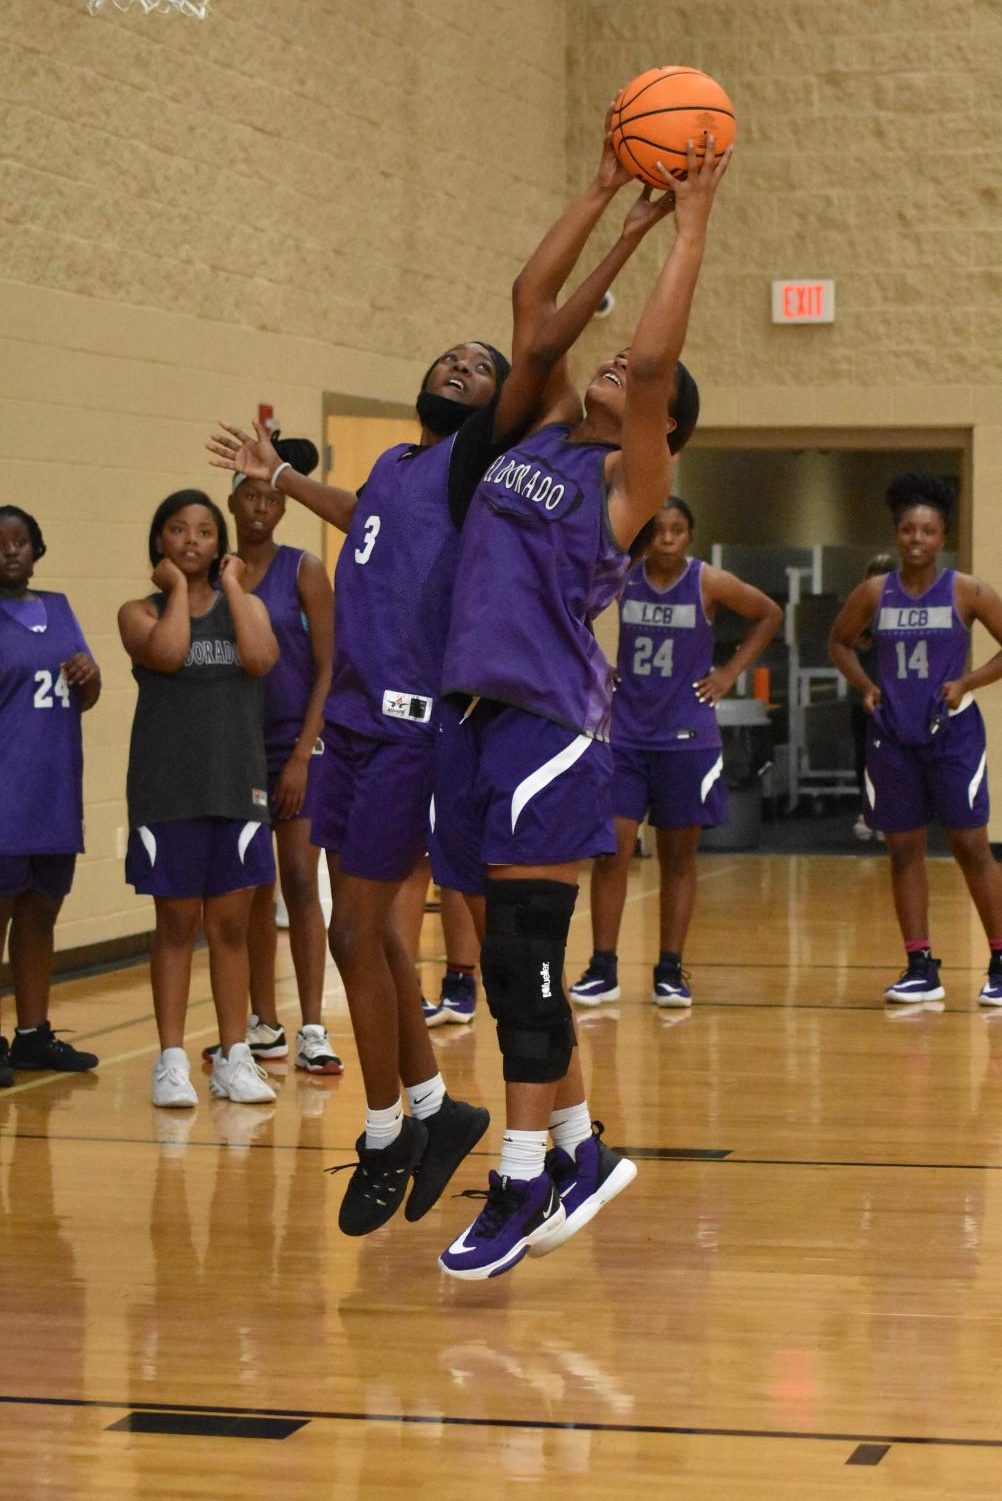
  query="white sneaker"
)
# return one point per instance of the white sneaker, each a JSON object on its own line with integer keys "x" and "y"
{"x": 861, "y": 830}
{"x": 239, "y": 1078}
{"x": 314, "y": 1052}
{"x": 264, "y": 1040}
{"x": 172, "y": 1086}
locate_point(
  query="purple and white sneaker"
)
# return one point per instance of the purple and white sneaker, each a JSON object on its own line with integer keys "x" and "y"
{"x": 434, "y": 1014}
{"x": 586, "y": 1184}
{"x": 671, "y": 986}
{"x": 991, "y": 990}
{"x": 599, "y": 982}
{"x": 919, "y": 982}
{"x": 518, "y": 1214}
{"x": 458, "y": 1000}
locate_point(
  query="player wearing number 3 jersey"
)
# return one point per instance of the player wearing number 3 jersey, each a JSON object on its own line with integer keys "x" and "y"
{"x": 926, "y": 756}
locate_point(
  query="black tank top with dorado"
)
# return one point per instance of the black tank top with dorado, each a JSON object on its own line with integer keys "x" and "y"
{"x": 197, "y": 747}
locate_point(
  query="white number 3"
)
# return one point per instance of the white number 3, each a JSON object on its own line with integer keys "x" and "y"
{"x": 364, "y": 553}
{"x": 44, "y": 689}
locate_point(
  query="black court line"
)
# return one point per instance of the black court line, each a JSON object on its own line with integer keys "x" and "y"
{"x": 647, "y": 1154}
{"x": 206, "y": 1425}
{"x": 444, "y": 1420}
{"x": 867, "y": 1454}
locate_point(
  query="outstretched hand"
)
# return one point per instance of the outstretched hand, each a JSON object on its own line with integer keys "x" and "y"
{"x": 646, "y": 212}
{"x": 242, "y": 454}
{"x": 611, "y": 174}
{"x": 695, "y": 192}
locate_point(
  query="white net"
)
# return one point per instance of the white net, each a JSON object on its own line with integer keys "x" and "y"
{"x": 195, "y": 8}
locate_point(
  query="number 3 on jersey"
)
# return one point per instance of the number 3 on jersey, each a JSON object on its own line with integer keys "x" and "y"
{"x": 643, "y": 665}
{"x": 45, "y": 688}
{"x": 364, "y": 553}
{"x": 918, "y": 662}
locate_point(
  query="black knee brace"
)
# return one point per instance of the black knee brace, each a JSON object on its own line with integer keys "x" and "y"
{"x": 522, "y": 962}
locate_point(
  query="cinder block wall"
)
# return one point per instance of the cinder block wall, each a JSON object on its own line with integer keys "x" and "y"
{"x": 291, "y": 197}
{"x": 869, "y": 151}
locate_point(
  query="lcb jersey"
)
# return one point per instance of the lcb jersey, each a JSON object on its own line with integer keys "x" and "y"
{"x": 665, "y": 645}
{"x": 41, "y": 754}
{"x": 392, "y": 588}
{"x": 537, "y": 564}
{"x": 921, "y": 644}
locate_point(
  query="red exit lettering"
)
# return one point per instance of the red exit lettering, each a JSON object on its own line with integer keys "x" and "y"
{"x": 802, "y": 302}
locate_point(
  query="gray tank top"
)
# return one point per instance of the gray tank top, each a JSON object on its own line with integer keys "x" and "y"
{"x": 197, "y": 747}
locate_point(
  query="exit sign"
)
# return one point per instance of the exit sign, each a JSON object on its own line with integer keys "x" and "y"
{"x": 803, "y": 302}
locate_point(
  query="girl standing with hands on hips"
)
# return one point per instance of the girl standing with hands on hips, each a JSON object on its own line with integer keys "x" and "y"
{"x": 926, "y": 755}
{"x": 197, "y": 783}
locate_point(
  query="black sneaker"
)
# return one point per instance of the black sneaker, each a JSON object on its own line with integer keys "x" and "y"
{"x": 6, "y": 1071}
{"x": 453, "y": 1132}
{"x": 378, "y": 1184}
{"x": 42, "y": 1049}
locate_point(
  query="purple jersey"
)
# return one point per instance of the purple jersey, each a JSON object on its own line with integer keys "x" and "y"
{"x": 392, "y": 589}
{"x": 537, "y": 564}
{"x": 665, "y": 645}
{"x": 288, "y": 684}
{"x": 922, "y": 643}
{"x": 41, "y": 753}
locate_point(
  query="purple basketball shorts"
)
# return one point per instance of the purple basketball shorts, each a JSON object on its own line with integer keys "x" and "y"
{"x": 680, "y": 789}
{"x": 199, "y": 857}
{"x": 277, "y": 757}
{"x": 945, "y": 780}
{"x": 512, "y": 788}
{"x": 373, "y": 802}
{"x": 50, "y": 876}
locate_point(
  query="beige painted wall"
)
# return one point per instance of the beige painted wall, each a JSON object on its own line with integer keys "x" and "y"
{"x": 289, "y": 198}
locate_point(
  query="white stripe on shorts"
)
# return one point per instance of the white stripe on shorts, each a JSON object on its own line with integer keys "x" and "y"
{"x": 149, "y": 843}
{"x": 711, "y": 776}
{"x": 977, "y": 779}
{"x": 545, "y": 774}
{"x": 871, "y": 794}
{"x": 431, "y": 814}
{"x": 246, "y": 835}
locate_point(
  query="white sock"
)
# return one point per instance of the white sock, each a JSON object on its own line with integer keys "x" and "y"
{"x": 570, "y": 1127}
{"x": 523, "y": 1154}
{"x": 174, "y": 1055}
{"x": 382, "y": 1127}
{"x": 426, "y": 1099}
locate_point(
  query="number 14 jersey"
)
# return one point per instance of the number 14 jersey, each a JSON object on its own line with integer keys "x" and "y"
{"x": 922, "y": 643}
{"x": 665, "y": 645}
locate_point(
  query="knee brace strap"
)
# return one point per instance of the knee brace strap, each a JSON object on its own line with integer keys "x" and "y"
{"x": 522, "y": 963}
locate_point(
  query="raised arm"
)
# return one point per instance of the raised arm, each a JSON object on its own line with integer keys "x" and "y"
{"x": 640, "y": 477}
{"x": 543, "y": 333}
{"x": 159, "y": 642}
{"x": 256, "y": 642}
{"x": 257, "y": 458}
{"x": 849, "y": 625}
{"x": 722, "y": 588}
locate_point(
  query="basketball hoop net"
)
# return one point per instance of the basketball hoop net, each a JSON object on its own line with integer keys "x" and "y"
{"x": 194, "y": 8}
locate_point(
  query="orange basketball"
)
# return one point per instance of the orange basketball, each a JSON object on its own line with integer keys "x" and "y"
{"x": 662, "y": 109}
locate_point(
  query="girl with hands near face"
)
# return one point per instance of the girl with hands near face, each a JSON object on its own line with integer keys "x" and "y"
{"x": 197, "y": 783}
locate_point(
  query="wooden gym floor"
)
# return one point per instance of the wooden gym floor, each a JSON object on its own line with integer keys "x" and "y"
{"x": 800, "y": 1297}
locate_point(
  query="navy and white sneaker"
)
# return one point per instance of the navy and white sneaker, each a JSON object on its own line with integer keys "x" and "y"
{"x": 599, "y": 982}
{"x": 518, "y": 1214}
{"x": 434, "y": 1014}
{"x": 991, "y": 991}
{"x": 671, "y": 986}
{"x": 919, "y": 982}
{"x": 585, "y": 1184}
{"x": 458, "y": 1000}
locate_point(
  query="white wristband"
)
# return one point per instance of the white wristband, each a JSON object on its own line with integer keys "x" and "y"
{"x": 274, "y": 478}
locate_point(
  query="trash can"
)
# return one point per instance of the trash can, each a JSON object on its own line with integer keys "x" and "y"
{"x": 747, "y": 747}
